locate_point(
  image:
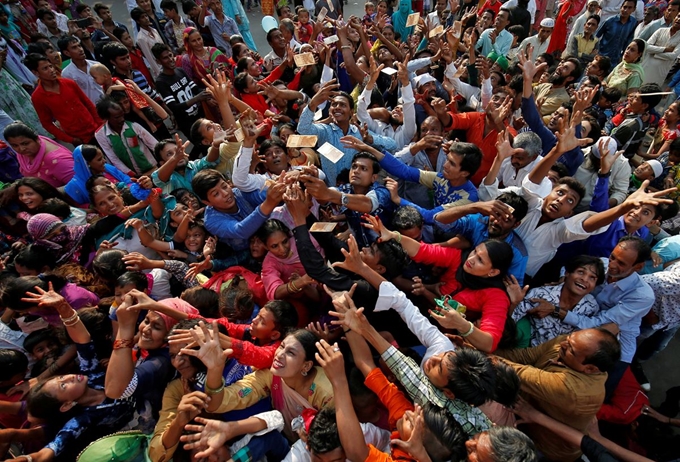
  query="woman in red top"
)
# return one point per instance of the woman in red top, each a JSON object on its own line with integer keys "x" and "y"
{"x": 473, "y": 278}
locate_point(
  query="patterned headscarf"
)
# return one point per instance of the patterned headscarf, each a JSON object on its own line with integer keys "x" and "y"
{"x": 66, "y": 241}
{"x": 200, "y": 72}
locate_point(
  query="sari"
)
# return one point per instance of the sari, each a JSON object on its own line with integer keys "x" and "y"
{"x": 76, "y": 187}
{"x": 54, "y": 166}
{"x": 569, "y": 9}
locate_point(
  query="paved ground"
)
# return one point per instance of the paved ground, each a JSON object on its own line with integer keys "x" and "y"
{"x": 658, "y": 370}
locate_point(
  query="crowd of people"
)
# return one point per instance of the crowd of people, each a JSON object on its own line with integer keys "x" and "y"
{"x": 438, "y": 232}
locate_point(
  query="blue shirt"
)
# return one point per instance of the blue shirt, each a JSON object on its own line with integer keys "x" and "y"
{"x": 234, "y": 229}
{"x": 331, "y": 133}
{"x": 623, "y": 302}
{"x": 475, "y": 228}
{"x": 615, "y": 37}
{"x": 177, "y": 180}
{"x": 379, "y": 195}
{"x": 601, "y": 245}
{"x": 501, "y": 45}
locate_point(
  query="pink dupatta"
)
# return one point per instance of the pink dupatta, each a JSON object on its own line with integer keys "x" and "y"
{"x": 289, "y": 403}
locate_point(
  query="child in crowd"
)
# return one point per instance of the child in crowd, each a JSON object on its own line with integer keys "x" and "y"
{"x": 304, "y": 27}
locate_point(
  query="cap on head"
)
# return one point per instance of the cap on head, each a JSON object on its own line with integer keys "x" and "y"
{"x": 656, "y": 167}
{"x": 423, "y": 79}
{"x": 548, "y": 22}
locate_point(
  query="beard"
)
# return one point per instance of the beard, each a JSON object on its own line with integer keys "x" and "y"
{"x": 557, "y": 79}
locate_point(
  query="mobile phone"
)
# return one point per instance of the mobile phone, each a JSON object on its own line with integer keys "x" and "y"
{"x": 83, "y": 23}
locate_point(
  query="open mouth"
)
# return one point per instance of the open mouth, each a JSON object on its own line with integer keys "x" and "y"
{"x": 277, "y": 364}
{"x": 580, "y": 286}
{"x": 553, "y": 208}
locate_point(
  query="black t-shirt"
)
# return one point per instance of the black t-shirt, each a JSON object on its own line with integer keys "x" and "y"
{"x": 176, "y": 90}
{"x": 595, "y": 451}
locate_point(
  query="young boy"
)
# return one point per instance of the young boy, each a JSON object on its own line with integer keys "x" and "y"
{"x": 305, "y": 27}
{"x": 177, "y": 170}
{"x": 629, "y": 133}
{"x": 602, "y": 111}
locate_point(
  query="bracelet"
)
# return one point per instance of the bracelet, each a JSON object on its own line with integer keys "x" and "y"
{"x": 214, "y": 391}
{"x": 295, "y": 288}
{"x": 346, "y": 47}
{"x": 127, "y": 209}
{"x": 398, "y": 239}
{"x": 123, "y": 343}
{"x": 71, "y": 318}
{"x": 73, "y": 323}
{"x": 348, "y": 330}
{"x": 472, "y": 328}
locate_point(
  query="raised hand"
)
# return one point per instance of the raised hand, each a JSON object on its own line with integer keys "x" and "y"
{"x": 191, "y": 406}
{"x": 46, "y": 298}
{"x": 210, "y": 350}
{"x": 641, "y": 196}
{"x": 529, "y": 69}
{"x": 349, "y": 317}
{"x": 393, "y": 187}
{"x": 566, "y": 137}
{"x": 373, "y": 71}
{"x": 414, "y": 445}
{"x": 375, "y": 223}
{"x": 607, "y": 159}
{"x": 514, "y": 290}
{"x": 326, "y": 92}
{"x": 220, "y": 87}
{"x": 197, "y": 268}
{"x": 207, "y": 436}
{"x": 450, "y": 319}
{"x": 353, "y": 261}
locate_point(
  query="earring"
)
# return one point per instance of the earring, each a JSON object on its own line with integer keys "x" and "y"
{"x": 304, "y": 373}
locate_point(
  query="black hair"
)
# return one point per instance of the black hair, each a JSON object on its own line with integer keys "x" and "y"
{"x": 517, "y": 30}
{"x": 507, "y": 386}
{"x": 612, "y": 94}
{"x": 236, "y": 303}
{"x": 471, "y": 375}
{"x": 270, "y": 33}
{"x": 445, "y": 437}
{"x": 511, "y": 445}
{"x": 205, "y": 180}
{"x": 206, "y": 301}
{"x": 348, "y": 97}
{"x": 241, "y": 81}
{"x": 40, "y": 48}
{"x": 98, "y": 7}
{"x": 367, "y": 155}
{"x": 99, "y": 188}
{"x": 323, "y": 435}
{"x": 109, "y": 265}
{"x": 270, "y": 227}
{"x": 16, "y": 129}
{"x": 604, "y": 63}
{"x": 548, "y": 59}
{"x": 500, "y": 253}
{"x": 55, "y": 206}
{"x": 632, "y": 1}
{"x": 162, "y": 143}
{"x": 104, "y": 105}
{"x": 561, "y": 169}
{"x": 113, "y": 50}
{"x": 578, "y": 68}
{"x": 407, "y": 217}
{"x": 641, "y": 45}
{"x": 195, "y": 131}
{"x": 158, "y": 48}
{"x": 269, "y": 143}
{"x": 650, "y": 101}
{"x": 35, "y": 257}
{"x": 644, "y": 251}
{"x": 471, "y": 156}
{"x": 393, "y": 258}
{"x": 99, "y": 326}
{"x": 285, "y": 318}
{"x": 596, "y": 17}
{"x": 65, "y": 41}
{"x": 187, "y": 6}
{"x": 40, "y": 186}
{"x": 608, "y": 351}
{"x": 517, "y": 202}
{"x": 82, "y": 7}
{"x": 575, "y": 186}
{"x": 169, "y": 5}
{"x": 595, "y": 129}
{"x": 12, "y": 363}
{"x": 136, "y": 278}
{"x": 237, "y": 49}
{"x": 581, "y": 261}
{"x": 42, "y": 12}
{"x": 241, "y": 65}
{"x": 118, "y": 33}
{"x": 16, "y": 289}
{"x": 181, "y": 193}
{"x": 38, "y": 336}
{"x": 137, "y": 13}
{"x": 89, "y": 152}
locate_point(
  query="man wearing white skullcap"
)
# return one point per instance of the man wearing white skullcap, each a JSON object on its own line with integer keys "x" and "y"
{"x": 539, "y": 41}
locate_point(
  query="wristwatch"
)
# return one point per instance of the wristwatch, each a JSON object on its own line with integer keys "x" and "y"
{"x": 556, "y": 312}
{"x": 344, "y": 199}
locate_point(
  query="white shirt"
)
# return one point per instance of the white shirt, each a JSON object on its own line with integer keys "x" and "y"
{"x": 146, "y": 39}
{"x": 428, "y": 334}
{"x": 476, "y": 98}
{"x": 84, "y": 80}
{"x": 404, "y": 133}
{"x": 508, "y": 176}
{"x": 539, "y": 47}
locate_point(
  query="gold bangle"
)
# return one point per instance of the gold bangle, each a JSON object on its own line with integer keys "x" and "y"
{"x": 296, "y": 289}
{"x": 398, "y": 237}
{"x": 70, "y": 319}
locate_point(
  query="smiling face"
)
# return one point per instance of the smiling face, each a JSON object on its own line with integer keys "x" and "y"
{"x": 622, "y": 262}
{"x": 582, "y": 281}
{"x": 98, "y": 163}
{"x": 108, "y": 202}
{"x": 167, "y": 60}
{"x": 29, "y": 197}
{"x": 278, "y": 243}
{"x": 195, "y": 239}
{"x": 638, "y": 217}
{"x": 66, "y": 388}
{"x": 644, "y": 172}
{"x": 289, "y": 359}
{"x": 340, "y": 109}
{"x": 560, "y": 202}
{"x": 181, "y": 362}
{"x": 222, "y": 197}
{"x": 253, "y": 68}
{"x": 24, "y": 146}
{"x": 152, "y": 332}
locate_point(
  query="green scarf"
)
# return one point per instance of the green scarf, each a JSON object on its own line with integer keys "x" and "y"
{"x": 122, "y": 152}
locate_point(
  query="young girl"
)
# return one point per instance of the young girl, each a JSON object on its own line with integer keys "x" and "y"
{"x": 665, "y": 134}
{"x": 189, "y": 242}
{"x": 89, "y": 160}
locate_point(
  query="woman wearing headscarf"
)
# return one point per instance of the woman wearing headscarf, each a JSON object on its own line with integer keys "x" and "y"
{"x": 65, "y": 241}
{"x": 628, "y": 75}
{"x": 400, "y": 17}
{"x": 198, "y": 60}
{"x": 89, "y": 160}
{"x": 234, "y": 9}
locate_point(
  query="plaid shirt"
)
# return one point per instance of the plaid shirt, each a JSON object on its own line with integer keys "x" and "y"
{"x": 421, "y": 390}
